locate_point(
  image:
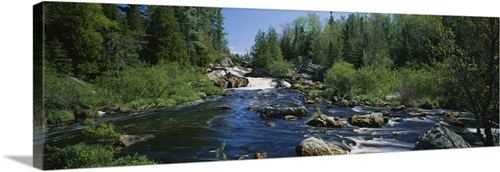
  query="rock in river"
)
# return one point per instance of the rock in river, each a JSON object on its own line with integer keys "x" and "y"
{"x": 281, "y": 112}
{"x": 452, "y": 118}
{"x": 440, "y": 137}
{"x": 325, "y": 121}
{"x": 128, "y": 140}
{"x": 231, "y": 81}
{"x": 316, "y": 147}
{"x": 368, "y": 120}
{"x": 260, "y": 155}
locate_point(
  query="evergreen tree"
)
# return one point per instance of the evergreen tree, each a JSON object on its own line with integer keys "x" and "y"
{"x": 79, "y": 27}
{"x": 164, "y": 40}
{"x": 286, "y": 41}
{"x": 135, "y": 21}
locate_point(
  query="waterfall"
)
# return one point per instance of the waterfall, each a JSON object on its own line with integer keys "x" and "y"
{"x": 260, "y": 83}
{"x": 253, "y": 82}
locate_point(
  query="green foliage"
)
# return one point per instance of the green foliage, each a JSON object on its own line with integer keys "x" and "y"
{"x": 78, "y": 27}
{"x": 340, "y": 78}
{"x": 281, "y": 69}
{"x": 62, "y": 92}
{"x": 167, "y": 83}
{"x": 318, "y": 113}
{"x": 87, "y": 156}
{"x": 83, "y": 156}
{"x": 132, "y": 160}
{"x": 219, "y": 152}
{"x": 299, "y": 87}
{"x": 165, "y": 41}
{"x": 60, "y": 116}
{"x": 102, "y": 133}
{"x": 375, "y": 80}
{"x": 419, "y": 86}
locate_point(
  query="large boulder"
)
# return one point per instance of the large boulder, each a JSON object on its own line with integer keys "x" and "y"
{"x": 440, "y": 137}
{"x": 281, "y": 112}
{"x": 368, "y": 120}
{"x": 325, "y": 121}
{"x": 284, "y": 84}
{"x": 316, "y": 147}
{"x": 128, "y": 140}
{"x": 214, "y": 74}
{"x": 452, "y": 118}
{"x": 227, "y": 62}
{"x": 231, "y": 81}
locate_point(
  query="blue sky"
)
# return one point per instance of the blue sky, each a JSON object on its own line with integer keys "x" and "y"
{"x": 243, "y": 24}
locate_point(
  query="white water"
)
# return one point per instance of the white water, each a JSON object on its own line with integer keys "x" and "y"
{"x": 254, "y": 83}
{"x": 379, "y": 145}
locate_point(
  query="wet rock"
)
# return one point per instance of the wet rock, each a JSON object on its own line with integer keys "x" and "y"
{"x": 397, "y": 119}
{"x": 290, "y": 118}
{"x": 128, "y": 140}
{"x": 202, "y": 95}
{"x": 271, "y": 124}
{"x": 227, "y": 62}
{"x": 345, "y": 103}
{"x": 281, "y": 112}
{"x": 242, "y": 157}
{"x": 214, "y": 74}
{"x": 223, "y": 107}
{"x": 260, "y": 155}
{"x": 399, "y": 108}
{"x": 334, "y": 99}
{"x": 397, "y": 134}
{"x": 309, "y": 102}
{"x": 322, "y": 86}
{"x": 385, "y": 113}
{"x": 231, "y": 81}
{"x": 325, "y": 121}
{"x": 316, "y": 147}
{"x": 416, "y": 112}
{"x": 284, "y": 84}
{"x": 452, "y": 118}
{"x": 368, "y": 120}
{"x": 253, "y": 108}
{"x": 440, "y": 137}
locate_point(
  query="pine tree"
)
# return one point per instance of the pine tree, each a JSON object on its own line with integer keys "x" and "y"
{"x": 164, "y": 41}
{"x": 79, "y": 27}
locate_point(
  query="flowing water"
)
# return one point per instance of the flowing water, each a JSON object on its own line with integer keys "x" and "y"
{"x": 191, "y": 132}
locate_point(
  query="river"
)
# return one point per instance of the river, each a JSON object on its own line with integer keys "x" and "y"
{"x": 191, "y": 132}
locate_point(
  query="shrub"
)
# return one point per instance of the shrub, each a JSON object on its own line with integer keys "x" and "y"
{"x": 63, "y": 92}
{"x": 376, "y": 81}
{"x": 132, "y": 160}
{"x": 280, "y": 69}
{"x": 164, "y": 81}
{"x": 60, "y": 116}
{"x": 87, "y": 156}
{"x": 83, "y": 156}
{"x": 101, "y": 133}
{"x": 419, "y": 86}
{"x": 340, "y": 78}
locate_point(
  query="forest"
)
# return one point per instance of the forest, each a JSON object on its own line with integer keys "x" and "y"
{"x": 97, "y": 57}
{"x": 428, "y": 61}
